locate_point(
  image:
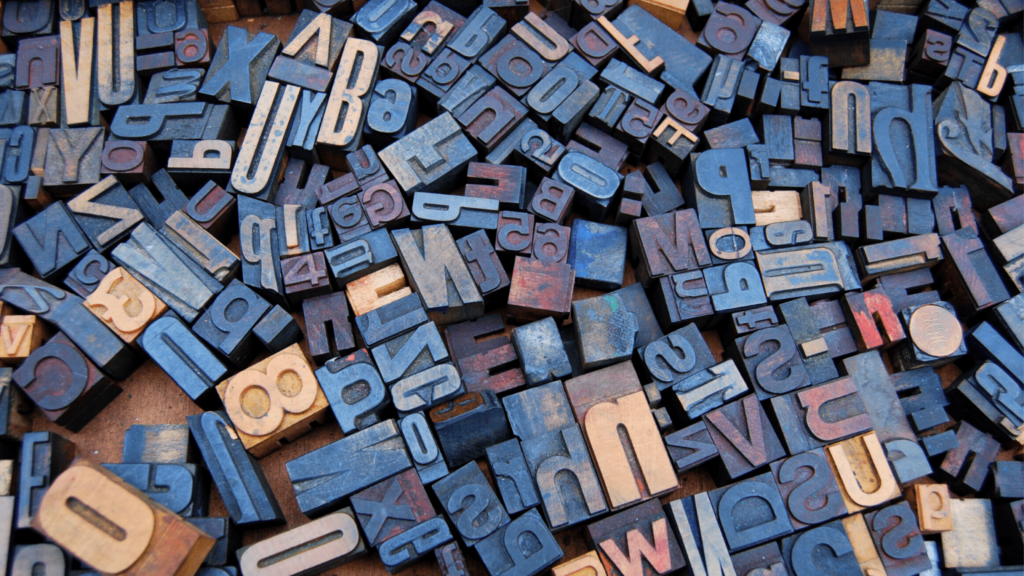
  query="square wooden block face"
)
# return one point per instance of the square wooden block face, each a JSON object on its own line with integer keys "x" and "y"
{"x": 124, "y": 304}
{"x": 274, "y": 400}
{"x": 19, "y": 336}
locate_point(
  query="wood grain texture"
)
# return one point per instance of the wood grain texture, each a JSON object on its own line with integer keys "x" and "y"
{"x": 151, "y": 397}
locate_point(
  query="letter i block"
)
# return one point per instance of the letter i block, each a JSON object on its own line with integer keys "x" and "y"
{"x": 278, "y": 399}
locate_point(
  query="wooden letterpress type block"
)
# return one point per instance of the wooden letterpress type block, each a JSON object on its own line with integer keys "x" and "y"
{"x": 814, "y": 417}
{"x": 406, "y": 548}
{"x": 12, "y": 108}
{"x": 133, "y": 162}
{"x": 257, "y": 169}
{"x": 392, "y": 507}
{"x": 25, "y": 558}
{"x": 193, "y": 161}
{"x": 636, "y": 301}
{"x": 690, "y": 447}
{"x": 330, "y": 34}
{"x": 605, "y": 329}
{"x": 492, "y": 117}
{"x": 905, "y": 254}
{"x": 541, "y": 352}
{"x": 19, "y": 148}
{"x": 973, "y": 540}
{"x": 824, "y": 549}
{"x": 682, "y": 297}
{"x": 468, "y": 424}
{"x": 167, "y": 122}
{"x": 38, "y": 63}
{"x": 1010, "y": 316}
{"x": 660, "y": 552}
{"x": 239, "y": 479}
{"x": 382, "y": 22}
{"x": 813, "y": 346}
{"x": 429, "y": 387}
{"x": 309, "y": 113}
{"x": 707, "y": 390}
{"x": 384, "y": 205}
{"x": 664, "y": 254}
{"x": 597, "y": 253}
{"x": 473, "y": 84}
{"x": 738, "y": 134}
{"x": 694, "y": 520}
{"x": 720, "y": 90}
{"x": 537, "y": 411}
{"x": 184, "y": 358}
{"x": 599, "y": 146}
{"x": 181, "y": 488}
{"x": 227, "y": 324}
{"x": 783, "y": 279}
{"x": 301, "y": 74}
{"x": 752, "y": 320}
{"x": 879, "y": 396}
{"x": 872, "y": 312}
{"x": 239, "y": 68}
{"x": 105, "y": 213}
{"x": 44, "y": 455}
{"x": 423, "y": 447}
{"x": 985, "y": 341}
{"x": 459, "y": 212}
{"x": 428, "y": 251}
{"x": 68, "y": 388}
{"x": 155, "y": 52}
{"x": 514, "y": 235}
{"x": 1006, "y": 480}
{"x": 482, "y": 29}
{"x": 124, "y": 304}
{"x": 967, "y": 465}
{"x": 277, "y": 330}
{"x": 610, "y": 399}
{"x": 766, "y": 559}
{"x": 931, "y": 54}
{"x": 952, "y": 208}
{"x": 734, "y": 287}
{"x": 530, "y": 66}
{"x": 171, "y": 198}
{"x": 843, "y": 139}
{"x": 259, "y": 242}
{"x": 440, "y": 78}
{"x": 594, "y": 44}
{"x": 745, "y": 438}
{"x": 174, "y": 85}
{"x": 931, "y": 503}
{"x": 608, "y": 109}
{"x": 328, "y": 329}
{"x": 777, "y": 132}
{"x": 962, "y": 159}
{"x": 549, "y": 457}
{"x": 211, "y": 255}
{"x": 349, "y": 218}
{"x": 526, "y": 303}
{"x": 486, "y": 513}
{"x": 468, "y": 339}
{"x": 553, "y": 201}
{"x": 20, "y": 336}
{"x": 227, "y": 537}
{"x": 342, "y": 126}
{"x": 863, "y": 474}
{"x": 515, "y": 483}
{"x": 770, "y": 361}
{"x": 292, "y": 416}
{"x": 705, "y": 187}
{"x": 73, "y": 159}
{"x": 729, "y": 244}
{"x": 504, "y": 551}
{"x": 968, "y": 277}
{"x": 532, "y": 145}
{"x": 51, "y": 240}
{"x": 392, "y": 319}
{"x": 922, "y": 397}
{"x": 302, "y": 548}
{"x": 80, "y": 102}
{"x": 809, "y": 489}
{"x": 392, "y": 112}
{"x": 305, "y": 276}
{"x": 637, "y": 124}
{"x": 172, "y": 276}
{"x": 175, "y": 545}
{"x": 897, "y": 538}
{"x": 754, "y": 502}
{"x": 889, "y": 169}
{"x": 807, "y": 142}
{"x": 587, "y": 564}
{"x": 776, "y": 207}
{"x": 450, "y": 559}
{"x": 375, "y": 289}
{"x": 729, "y": 30}
{"x": 409, "y": 353}
{"x": 354, "y": 389}
{"x": 840, "y": 32}
{"x": 506, "y": 184}
{"x": 438, "y": 139}
{"x": 211, "y": 208}
{"x": 675, "y": 357}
